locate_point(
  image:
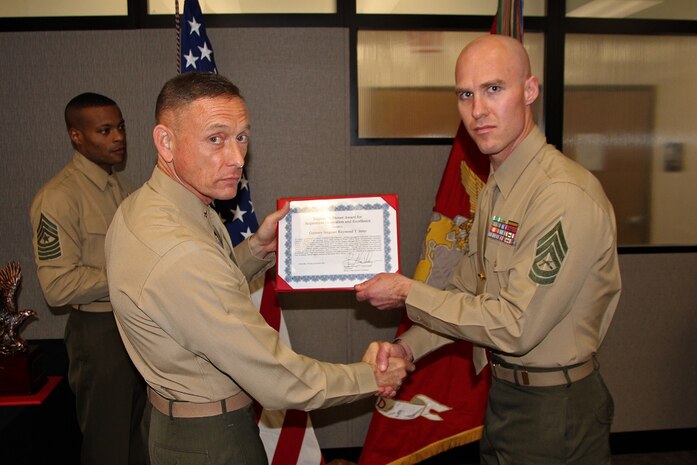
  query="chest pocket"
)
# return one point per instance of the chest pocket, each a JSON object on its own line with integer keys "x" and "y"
{"x": 466, "y": 271}
{"x": 95, "y": 227}
{"x": 499, "y": 261}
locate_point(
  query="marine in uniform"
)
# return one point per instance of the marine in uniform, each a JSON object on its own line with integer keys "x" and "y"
{"x": 539, "y": 284}
{"x": 181, "y": 295}
{"x": 70, "y": 215}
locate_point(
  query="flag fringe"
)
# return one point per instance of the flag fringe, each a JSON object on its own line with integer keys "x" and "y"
{"x": 460, "y": 439}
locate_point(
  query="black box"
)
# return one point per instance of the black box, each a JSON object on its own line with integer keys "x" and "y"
{"x": 23, "y": 373}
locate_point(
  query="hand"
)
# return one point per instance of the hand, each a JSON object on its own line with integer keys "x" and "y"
{"x": 384, "y": 290}
{"x": 263, "y": 241}
{"x": 391, "y": 363}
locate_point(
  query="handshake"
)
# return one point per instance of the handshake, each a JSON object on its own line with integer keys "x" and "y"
{"x": 391, "y": 363}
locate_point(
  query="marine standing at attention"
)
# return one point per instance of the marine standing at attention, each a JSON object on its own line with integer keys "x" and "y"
{"x": 539, "y": 284}
{"x": 70, "y": 215}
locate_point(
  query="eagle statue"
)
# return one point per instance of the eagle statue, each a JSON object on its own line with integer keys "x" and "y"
{"x": 10, "y": 318}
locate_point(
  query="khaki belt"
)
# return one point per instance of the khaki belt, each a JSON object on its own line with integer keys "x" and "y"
{"x": 534, "y": 377}
{"x": 180, "y": 409}
{"x": 95, "y": 307}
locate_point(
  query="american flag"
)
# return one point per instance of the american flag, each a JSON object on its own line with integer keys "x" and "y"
{"x": 238, "y": 214}
{"x": 196, "y": 52}
{"x": 288, "y": 436}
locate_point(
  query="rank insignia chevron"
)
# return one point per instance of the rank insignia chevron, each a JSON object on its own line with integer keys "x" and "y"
{"x": 549, "y": 256}
{"x": 47, "y": 240}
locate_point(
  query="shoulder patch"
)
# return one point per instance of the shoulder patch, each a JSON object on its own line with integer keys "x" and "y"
{"x": 549, "y": 255}
{"x": 48, "y": 244}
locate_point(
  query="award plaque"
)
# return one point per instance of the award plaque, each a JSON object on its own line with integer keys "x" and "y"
{"x": 334, "y": 243}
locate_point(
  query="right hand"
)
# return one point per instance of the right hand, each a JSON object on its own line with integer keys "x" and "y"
{"x": 263, "y": 241}
{"x": 384, "y": 290}
{"x": 390, "y": 366}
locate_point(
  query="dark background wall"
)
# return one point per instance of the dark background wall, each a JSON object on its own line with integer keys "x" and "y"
{"x": 296, "y": 83}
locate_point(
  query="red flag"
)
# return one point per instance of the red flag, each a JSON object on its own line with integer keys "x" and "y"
{"x": 452, "y": 396}
{"x": 442, "y": 404}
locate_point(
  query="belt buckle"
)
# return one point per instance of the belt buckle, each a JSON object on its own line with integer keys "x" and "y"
{"x": 494, "y": 367}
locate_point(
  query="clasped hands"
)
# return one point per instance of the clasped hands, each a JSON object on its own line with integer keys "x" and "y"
{"x": 391, "y": 363}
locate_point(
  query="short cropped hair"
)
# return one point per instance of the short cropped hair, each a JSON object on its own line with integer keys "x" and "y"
{"x": 82, "y": 101}
{"x": 189, "y": 87}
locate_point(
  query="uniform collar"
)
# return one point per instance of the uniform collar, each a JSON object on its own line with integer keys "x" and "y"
{"x": 509, "y": 172}
{"x": 91, "y": 170}
{"x": 185, "y": 200}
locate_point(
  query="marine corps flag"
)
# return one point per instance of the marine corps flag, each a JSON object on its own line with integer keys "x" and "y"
{"x": 288, "y": 436}
{"x": 442, "y": 404}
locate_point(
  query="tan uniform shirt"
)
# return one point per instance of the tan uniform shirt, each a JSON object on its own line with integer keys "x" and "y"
{"x": 550, "y": 260}
{"x": 70, "y": 215}
{"x": 182, "y": 303}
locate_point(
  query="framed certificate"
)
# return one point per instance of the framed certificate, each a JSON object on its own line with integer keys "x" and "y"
{"x": 333, "y": 243}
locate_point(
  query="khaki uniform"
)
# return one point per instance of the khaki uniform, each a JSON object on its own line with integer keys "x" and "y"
{"x": 70, "y": 215}
{"x": 182, "y": 303}
{"x": 550, "y": 264}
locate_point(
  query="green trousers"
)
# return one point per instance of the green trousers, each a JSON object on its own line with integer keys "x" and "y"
{"x": 557, "y": 425}
{"x": 109, "y": 392}
{"x": 231, "y": 438}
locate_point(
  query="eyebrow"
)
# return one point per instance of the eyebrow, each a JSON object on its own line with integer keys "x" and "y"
{"x": 217, "y": 126}
{"x": 109, "y": 125}
{"x": 495, "y": 82}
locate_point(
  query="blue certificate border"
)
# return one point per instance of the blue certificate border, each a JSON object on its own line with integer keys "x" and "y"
{"x": 387, "y": 232}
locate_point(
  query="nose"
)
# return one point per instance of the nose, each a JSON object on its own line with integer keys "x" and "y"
{"x": 119, "y": 134}
{"x": 235, "y": 156}
{"x": 479, "y": 108}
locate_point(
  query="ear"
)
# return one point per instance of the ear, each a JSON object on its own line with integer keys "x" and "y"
{"x": 164, "y": 142}
{"x": 75, "y": 136}
{"x": 531, "y": 90}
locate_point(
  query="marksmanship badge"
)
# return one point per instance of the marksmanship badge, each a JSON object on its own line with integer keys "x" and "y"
{"x": 549, "y": 256}
{"x": 47, "y": 240}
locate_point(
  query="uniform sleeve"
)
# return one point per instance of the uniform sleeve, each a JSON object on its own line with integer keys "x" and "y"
{"x": 421, "y": 341}
{"x": 215, "y": 320}
{"x": 64, "y": 276}
{"x": 561, "y": 237}
{"x": 251, "y": 266}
